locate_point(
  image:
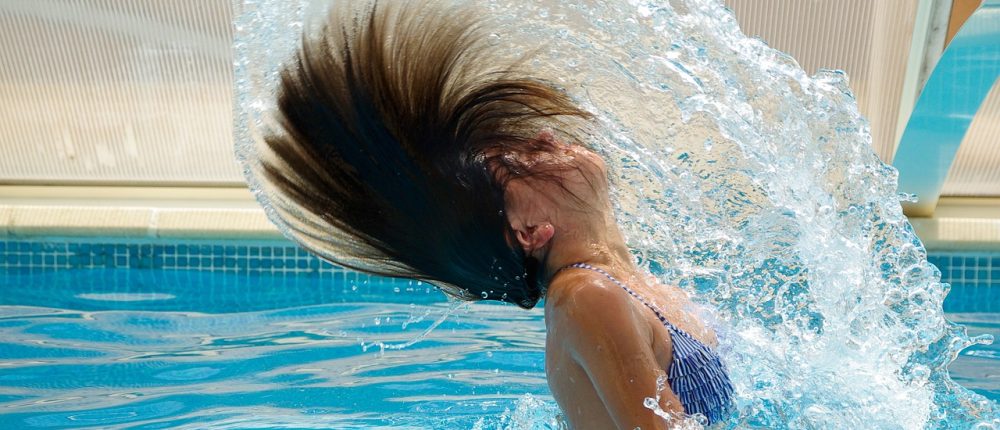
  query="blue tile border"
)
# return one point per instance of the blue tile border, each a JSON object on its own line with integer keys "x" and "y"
{"x": 956, "y": 267}
{"x": 960, "y": 269}
{"x": 966, "y": 269}
{"x": 238, "y": 257}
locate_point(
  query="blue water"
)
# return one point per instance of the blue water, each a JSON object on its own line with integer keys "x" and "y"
{"x": 977, "y": 367}
{"x": 144, "y": 349}
{"x": 126, "y": 348}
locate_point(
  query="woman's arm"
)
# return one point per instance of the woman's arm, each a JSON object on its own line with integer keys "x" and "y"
{"x": 596, "y": 323}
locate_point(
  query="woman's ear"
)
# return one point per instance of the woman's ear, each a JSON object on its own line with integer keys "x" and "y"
{"x": 535, "y": 236}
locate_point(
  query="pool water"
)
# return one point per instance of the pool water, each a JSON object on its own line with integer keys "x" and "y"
{"x": 127, "y": 348}
{"x": 978, "y": 367}
{"x": 170, "y": 348}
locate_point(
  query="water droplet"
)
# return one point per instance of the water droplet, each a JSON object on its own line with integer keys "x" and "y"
{"x": 650, "y": 403}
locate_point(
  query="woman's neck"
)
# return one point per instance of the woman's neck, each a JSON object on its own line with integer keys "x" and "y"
{"x": 595, "y": 243}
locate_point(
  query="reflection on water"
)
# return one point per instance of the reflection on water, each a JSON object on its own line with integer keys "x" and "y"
{"x": 978, "y": 309}
{"x": 227, "y": 366}
{"x": 124, "y": 365}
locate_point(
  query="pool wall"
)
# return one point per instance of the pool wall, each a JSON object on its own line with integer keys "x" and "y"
{"x": 282, "y": 259}
{"x": 198, "y": 232}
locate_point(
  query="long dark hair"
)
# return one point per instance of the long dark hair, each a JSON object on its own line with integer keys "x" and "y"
{"x": 395, "y": 130}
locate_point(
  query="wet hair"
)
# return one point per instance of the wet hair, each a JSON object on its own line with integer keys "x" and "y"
{"x": 394, "y": 130}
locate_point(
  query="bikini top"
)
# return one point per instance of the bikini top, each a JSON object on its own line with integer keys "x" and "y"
{"x": 696, "y": 374}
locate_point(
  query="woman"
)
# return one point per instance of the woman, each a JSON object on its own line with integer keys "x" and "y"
{"x": 405, "y": 150}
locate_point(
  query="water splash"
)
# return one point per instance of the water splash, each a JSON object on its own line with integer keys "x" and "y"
{"x": 389, "y": 346}
{"x": 678, "y": 422}
{"x": 741, "y": 178}
{"x": 530, "y": 413}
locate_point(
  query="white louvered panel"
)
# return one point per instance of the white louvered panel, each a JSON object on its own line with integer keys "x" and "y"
{"x": 976, "y": 170}
{"x": 870, "y": 40}
{"x": 139, "y": 90}
{"x": 114, "y": 91}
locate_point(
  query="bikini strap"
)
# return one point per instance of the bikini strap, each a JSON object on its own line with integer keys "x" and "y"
{"x": 654, "y": 308}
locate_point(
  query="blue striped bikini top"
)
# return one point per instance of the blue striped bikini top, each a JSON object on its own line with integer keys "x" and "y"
{"x": 696, "y": 375}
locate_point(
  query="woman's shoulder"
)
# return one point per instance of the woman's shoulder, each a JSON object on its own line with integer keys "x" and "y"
{"x": 590, "y": 303}
{"x": 580, "y": 290}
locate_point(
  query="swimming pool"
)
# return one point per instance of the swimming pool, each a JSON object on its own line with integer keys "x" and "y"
{"x": 236, "y": 335}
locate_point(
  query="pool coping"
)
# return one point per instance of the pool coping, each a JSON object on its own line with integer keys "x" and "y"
{"x": 133, "y": 213}
{"x": 961, "y": 224}
{"x": 149, "y": 222}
